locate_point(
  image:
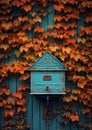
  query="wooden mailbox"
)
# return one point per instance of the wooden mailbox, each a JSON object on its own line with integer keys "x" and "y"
{"x": 47, "y": 75}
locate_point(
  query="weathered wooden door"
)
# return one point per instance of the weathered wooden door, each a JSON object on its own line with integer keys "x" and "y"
{"x": 35, "y": 114}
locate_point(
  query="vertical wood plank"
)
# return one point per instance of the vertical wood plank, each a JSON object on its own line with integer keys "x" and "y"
{"x": 36, "y": 120}
{"x": 29, "y": 113}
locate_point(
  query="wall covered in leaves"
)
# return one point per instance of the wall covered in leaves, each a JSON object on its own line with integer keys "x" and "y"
{"x": 26, "y": 32}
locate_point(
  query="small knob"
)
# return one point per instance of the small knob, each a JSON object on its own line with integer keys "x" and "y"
{"x": 47, "y": 87}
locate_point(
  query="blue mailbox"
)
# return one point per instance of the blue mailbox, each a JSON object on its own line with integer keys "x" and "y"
{"x": 47, "y": 75}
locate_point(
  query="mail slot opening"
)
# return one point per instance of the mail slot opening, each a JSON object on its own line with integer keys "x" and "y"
{"x": 47, "y": 77}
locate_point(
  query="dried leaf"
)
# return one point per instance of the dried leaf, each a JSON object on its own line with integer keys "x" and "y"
{"x": 11, "y": 100}
{"x": 21, "y": 109}
{"x": 7, "y": 25}
{"x": 87, "y": 110}
{"x": 58, "y": 7}
{"x": 23, "y": 87}
{"x": 39, "y": 29}
{"x": 27, "y": 7}
{"x": 6, "y": 91}
{"x": 74, "y": 117}
{"x": 18, "y": 95}
{"x": 21, "y": 102}
{"x": 8, "y": 113}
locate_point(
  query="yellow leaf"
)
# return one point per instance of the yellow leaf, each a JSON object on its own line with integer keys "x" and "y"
{"x": 53, "y": 48}
{"x": 38, "y": 19}
{"x": 17, "y": 53}
{"x": 89, "y": 76}
{"x": 23, "y": 48}
{"x": 24, "y": 38}
{"x": 82, "y": 83}
{"x": 4, "y": 46}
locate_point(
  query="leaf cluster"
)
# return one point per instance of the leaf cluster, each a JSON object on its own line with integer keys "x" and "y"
{"x": 23, "y": 37}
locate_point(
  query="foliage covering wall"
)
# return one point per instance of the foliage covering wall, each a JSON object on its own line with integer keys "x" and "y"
{"x": 23, "y": 39}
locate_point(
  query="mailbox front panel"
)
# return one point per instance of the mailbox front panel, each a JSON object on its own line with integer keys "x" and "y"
{"x": 47, "y": 82}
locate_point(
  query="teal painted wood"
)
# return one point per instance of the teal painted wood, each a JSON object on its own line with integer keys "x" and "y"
{"x": 47, "y": 75}
{"x": 55, "y": 86}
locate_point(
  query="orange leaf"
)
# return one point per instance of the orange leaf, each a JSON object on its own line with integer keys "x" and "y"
{"x": 21, "y": 102}
{"x": 23, "y": 87}
{"x": 89, "y": 76}
{"x": 6, "y": 91}
{"x": 76, "y": 91}
{"x": 67, "y": 90}
{"x": 7, "y": 25}
{"x": 11, "y": 100}
{"x": 87, "y": 30}
{"x": 22, "y": 19}
{"x": 4, "y": 102}
{"x": 4, "y": 46}
{"x": 88, "y": 18}
{"x": 59, "y": 7}
{"x": 74, "y": 117}
{"x": 8, "y": 113}
{"x": 67, "y": 99}
{"x": 21, "y": 109}
{"x": 27, "y": 7}
{"x": 18, "y": 95}
{"x": 53, "y": 48}
{"x": 25, "y": 76}
{"x": 84, "y": 111}
{"x": 1, "y": 104}
{"x": 39, "y": 29}
{"x": 81, "y": 83}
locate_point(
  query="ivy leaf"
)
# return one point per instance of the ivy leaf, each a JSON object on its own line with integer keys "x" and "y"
{"x": 17, "y": 53}
{"x": 21, "y": 109}
{"x": 4, "y": 46}
{"x": 58, "y": 7}
{"x": 89, "y": 76}
{"x": 1, "y": 104}
{"x": 87, "y": 110}
{"x": 27, "y": 7}
{"x": 23, "y": 87}
{"x": 22, "y": 19}
{"x": 74, "y": 117}
{"x": 82, "y": 83}
{"x": 11, "y": 100}
{"x": 6, "y": 91}
{"x": 39, "y": 29}
{"x": 7, "y": 25}
{"x": 8, "y": 113}
{"x": 18, "y": 95}
{"x": 21, "y": 102}
{"x": 37, "y": 19}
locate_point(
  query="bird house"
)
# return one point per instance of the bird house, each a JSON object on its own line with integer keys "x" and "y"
{"x": 47, "y": 75}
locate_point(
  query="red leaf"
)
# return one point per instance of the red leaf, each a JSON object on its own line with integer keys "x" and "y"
{"x": 39, "y": 29}
{"x": 8, "y": 113}
{"x": 74, "y": 117}
{"x": 18, "y": 95}
{"x": 84, "y": 111}
{"x": 23, "y": 87}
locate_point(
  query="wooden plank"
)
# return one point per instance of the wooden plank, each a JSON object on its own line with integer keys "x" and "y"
{"x": 36, "y": 120}
{"x": 51, "y": 14}
{"x": 29, "y": 113}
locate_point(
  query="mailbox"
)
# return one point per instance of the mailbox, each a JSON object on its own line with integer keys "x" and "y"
{"x": 47, "y": 75}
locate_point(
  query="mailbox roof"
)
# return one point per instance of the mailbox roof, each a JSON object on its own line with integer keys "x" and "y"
{"x": 47, "y": 62}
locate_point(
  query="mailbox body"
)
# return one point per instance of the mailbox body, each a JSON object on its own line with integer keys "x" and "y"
{"x": 47, "y": 75}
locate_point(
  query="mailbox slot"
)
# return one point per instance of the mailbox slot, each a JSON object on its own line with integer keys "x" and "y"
{"x": 47, "y": 77}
